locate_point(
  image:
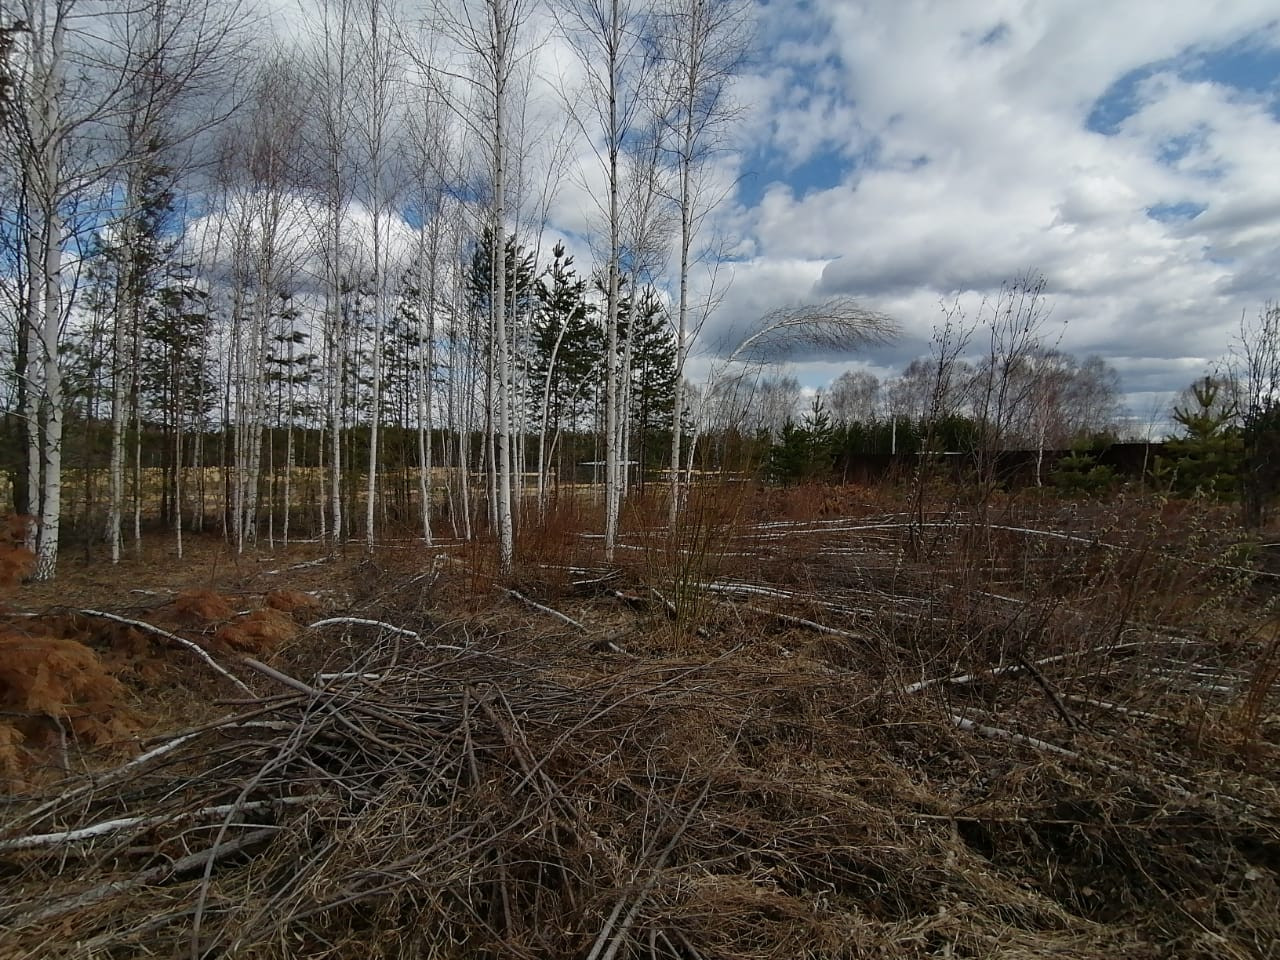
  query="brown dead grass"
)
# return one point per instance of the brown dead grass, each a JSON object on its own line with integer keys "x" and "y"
{"x": 77, "y": 689}
{"x": 745, "y": 786}
{"x": 51, "y": 688}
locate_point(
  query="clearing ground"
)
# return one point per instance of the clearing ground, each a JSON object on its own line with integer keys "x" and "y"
{"x": 804, "y": 725}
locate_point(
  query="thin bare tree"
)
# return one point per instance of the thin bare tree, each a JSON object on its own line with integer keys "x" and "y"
{"x": 703, "y": 45}
{"x": 330, "y": 37}
{"x": 612, "y": 39}
{"x": 1015, "y": 323}
{"x": 430, "y": 156}
{"x": 489, "y": 34}
{"x": 1255, "y": 371}
{"x": 378, "y": 67}
{"x": 192, "y": 56}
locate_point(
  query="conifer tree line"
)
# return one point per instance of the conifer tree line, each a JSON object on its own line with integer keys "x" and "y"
{"x": 298, "y": 278}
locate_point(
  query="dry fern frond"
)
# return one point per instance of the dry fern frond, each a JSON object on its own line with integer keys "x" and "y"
{"x": 258, "y": 632}
{"x": 290, "y": 601}
{"x": 203, "y": 606}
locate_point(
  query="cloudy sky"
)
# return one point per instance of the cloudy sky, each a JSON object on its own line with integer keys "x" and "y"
{"x": 912, "y": 151}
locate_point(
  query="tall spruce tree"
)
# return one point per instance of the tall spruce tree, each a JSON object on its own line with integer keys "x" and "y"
{"x": 505, "y": 295}
{"x": 653, "y": 380}
{"x": 1207, "y": 460}
{"x": 565, "y": 356}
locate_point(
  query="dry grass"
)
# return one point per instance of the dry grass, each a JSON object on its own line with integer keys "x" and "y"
{"x": 1015, "y": 739}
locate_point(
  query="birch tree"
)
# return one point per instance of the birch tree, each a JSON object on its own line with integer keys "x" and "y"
{"x": 377, "y": 68}
{"x": 1255, "y": 371}
{"x": 261, "y": 222}
{"x": 70, "y": 77}
{"x": 489, "y": 35}
{"x": 1001, "y": 395}
{"x": 647, "y": 227}
{"x": 703, "y": 43}
{"x": 40, "y": 126}
{"x": 85, "y": 81}
{"x": 189, "y": 57}
{"x": 430, "y": 156}
{"x": 610, "y": 37}
{"x": 330, "y": 45}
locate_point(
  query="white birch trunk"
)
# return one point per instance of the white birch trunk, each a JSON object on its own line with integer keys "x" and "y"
{"x": 34, "y": 386}
{"x": 426, "y": 366}
{"x": 135, "y": 413}
{"x": 612, "y": 487}
{"x": 48, "y": 113}
{"x": 288, "y": 443}
{"x": 375, "y": 413}
{"x": 335, "y": 420}
{"x": 177, "y": 479}
{"x": 682, "y": 333}
{"x": 51, "y": 443}
{"x": 119, "y": 401}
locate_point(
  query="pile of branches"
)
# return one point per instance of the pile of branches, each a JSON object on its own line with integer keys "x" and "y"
{"x": 452, "y": 795}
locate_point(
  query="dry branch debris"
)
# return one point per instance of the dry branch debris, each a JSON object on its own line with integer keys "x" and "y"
{"x": 518, "y": 802}
{"x": 469, "y": 784}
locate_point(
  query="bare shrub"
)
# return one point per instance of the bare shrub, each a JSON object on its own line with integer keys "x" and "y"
{"x": 1261, "y": 695}
{"x": 681, "y": 562}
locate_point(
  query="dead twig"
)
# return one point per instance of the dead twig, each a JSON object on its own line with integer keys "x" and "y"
{"x": 195, "y": 648}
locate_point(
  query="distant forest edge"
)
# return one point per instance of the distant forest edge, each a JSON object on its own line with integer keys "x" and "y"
{"x": 332, "y": 267}
{"x": 854, "y": 453}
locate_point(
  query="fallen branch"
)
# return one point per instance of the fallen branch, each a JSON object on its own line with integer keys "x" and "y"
{"x": 195, "y": 648}
{"x": 1118, "y": 708}
{"x": 310, "y": 563}
{"x": 106, "y": 827}
{"x": 725, "y": 586}
{"x": 292, "y": 683}
{"x": 146, "y": 878}
{"x": 1068, "y": 717}
{"x": 802, "y": 622}
{"x": 547, "y": 610}
{"x": 110, "y": 776}
{"x": 362, "y": 622}
{"x": 614, "y": 942}
{"x": 1018, "y": 667}
{"x": 998, "y": 733}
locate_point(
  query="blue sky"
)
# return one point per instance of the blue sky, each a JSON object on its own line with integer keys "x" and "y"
{"x": 915, "y": 151}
